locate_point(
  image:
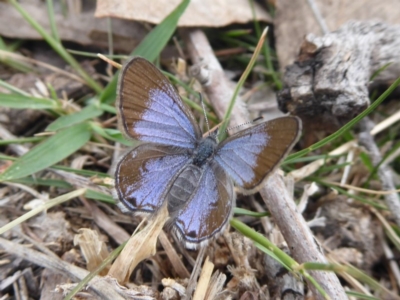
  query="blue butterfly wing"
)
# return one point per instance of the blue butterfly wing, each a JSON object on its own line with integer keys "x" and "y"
{"x": 249, "y": 156}
{"x": 150, "y": 109}
{"x": 145, "y": 174}
{"x": 207, "y": 212}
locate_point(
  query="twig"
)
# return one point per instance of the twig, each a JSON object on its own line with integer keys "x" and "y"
{"x": 195, "y": 273}
{"x": 394, "y": 266}
{"x": 392, "y": 200}
{"x": 204, "y": 280}
{"x": 318, "y": 16}
{"x": 293, "y": 226}
{"x": 101, "y": 287}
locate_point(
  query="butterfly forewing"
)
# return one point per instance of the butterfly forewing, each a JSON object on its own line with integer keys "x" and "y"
{"x": 208, "y": 210}
{"x": 150, "y": 109}
{"x": 249, "y": 156}
{"x": 145, "y": 174}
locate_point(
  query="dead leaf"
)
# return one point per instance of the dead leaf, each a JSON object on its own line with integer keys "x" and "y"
{"x": 139, "y": 247}
{"x": 209, "y": 13}
{"x": 80, "y": 27}
{"x": 93, "y": 249}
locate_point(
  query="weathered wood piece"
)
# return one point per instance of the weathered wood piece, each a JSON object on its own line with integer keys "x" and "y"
{"x": 329, "y": 82}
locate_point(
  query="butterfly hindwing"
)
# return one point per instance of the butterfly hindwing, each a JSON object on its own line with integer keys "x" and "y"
{"x": 145, "y": 174}
{"x": 208, "y": 211}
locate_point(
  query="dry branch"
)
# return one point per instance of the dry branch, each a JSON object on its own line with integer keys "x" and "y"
{"x": 100, "y": 287}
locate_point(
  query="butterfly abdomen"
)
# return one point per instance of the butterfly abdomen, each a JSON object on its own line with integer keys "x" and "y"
{"x": 184, "y": 187}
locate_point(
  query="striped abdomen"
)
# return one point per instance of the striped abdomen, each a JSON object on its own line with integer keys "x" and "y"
{"x": 183, "y": 188}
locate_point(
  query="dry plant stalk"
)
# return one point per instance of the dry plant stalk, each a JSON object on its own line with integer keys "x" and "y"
{"x": 139, "y": 247}
{"x": 204, "y": 280}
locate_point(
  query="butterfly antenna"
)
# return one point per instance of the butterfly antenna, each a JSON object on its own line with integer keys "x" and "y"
{"x": 250, "y": 122}
{"x": 204, "y": 110}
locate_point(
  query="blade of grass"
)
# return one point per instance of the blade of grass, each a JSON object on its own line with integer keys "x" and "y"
{"x": 57, "y": 47}
{"x": 92, "y": 274}
{"x": 358, "y": 295}
{"x": 353, "y": 196}
{"x": 352, "y": 271}
{"x": 13, "y": 89}
{"x": 245, "y": 212}
{"x": 108, "y": 108}
{"x": 43, "y": 207}
{"x": 22, "y": 102}
{"x": 112, "y": 134}
{"x": 52, "y": 20}
{"x": 266, "y": 49}
{"x": 278, "y": 254}
{"x": 349, "y": 125}
{"x": 222, "y": 130}
{"x": 49, "y": 152}
{"x": 64, "y": 168}
{"x": 91, "y": 194}
{"x": 30, "y": 180}
{"x": 311, "y": 158}
{"x": 17, "y": 65}
{"x": 22, "y": 140}
{"x": 88, "y": 113}
{"x": 150, "y": 47}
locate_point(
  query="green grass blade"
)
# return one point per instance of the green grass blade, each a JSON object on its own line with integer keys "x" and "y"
{"x": 264, "y": 244}
{"x": 33, "y": 139}
{"x": 88, "y": 113}
{"x": 52, "y": 19}
{"x": 85, "y": 281}
{"x": 91, "y": 194}
{"x": 225, "y": 121}
{"x": 266, "y": 50}
{"x": 23, "y": 102}
{"x": 246, "y": 212}
{"x": 17, "y": 65}
{"x": 360, "y": 296}
{"x": 150, "y": 47}
{"x": 86, "y": 173}
{"x": 32, "y": 180}
{"x": 13, "y": 89}
{"x": 49, "y": 152}
{"x": 112, "y": 135}
{"x": 352, "y": 271}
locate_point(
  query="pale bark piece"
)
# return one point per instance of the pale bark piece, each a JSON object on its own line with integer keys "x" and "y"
{"x": 209, "y": 13}
{"x": 295, "y": 19}
{"x": 329, "y": 83}
{"x": 284, "y": 285}
{"x": 82, "y": 28}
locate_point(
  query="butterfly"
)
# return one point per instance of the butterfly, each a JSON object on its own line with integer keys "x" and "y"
{"x": 175, "y": 163}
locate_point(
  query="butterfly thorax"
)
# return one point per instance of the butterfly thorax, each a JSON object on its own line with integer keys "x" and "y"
{"x": 205, "y": 150}
{"x": 187, "y": 182}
